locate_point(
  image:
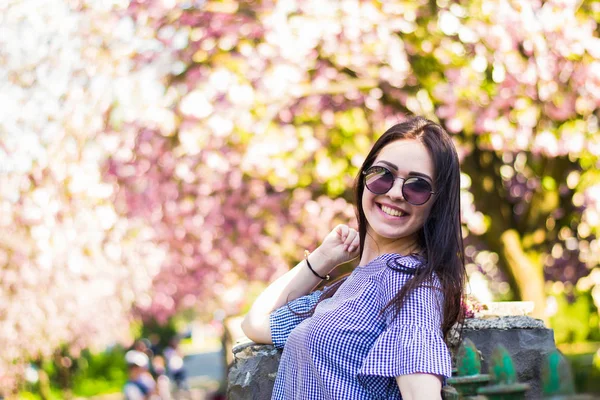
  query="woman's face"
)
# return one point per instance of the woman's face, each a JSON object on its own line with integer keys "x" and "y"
{"x": 391, "y": 219}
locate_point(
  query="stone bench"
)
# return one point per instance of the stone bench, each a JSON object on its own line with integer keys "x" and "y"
{"x": 528, "y": 341}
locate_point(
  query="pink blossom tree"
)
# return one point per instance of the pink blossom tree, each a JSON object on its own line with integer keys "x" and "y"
{"x": 289, "y": 97}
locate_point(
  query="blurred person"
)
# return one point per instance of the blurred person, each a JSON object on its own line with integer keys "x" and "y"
{"x": 154, "y": 339}
{"x": 143, "y": 345}
{"x": 175, "y": 365}
{"x": 136, "y": 387}
{"x": 163, "y": 383}
{"x": 379, "y": 331}
{"x": 141, "y": 351}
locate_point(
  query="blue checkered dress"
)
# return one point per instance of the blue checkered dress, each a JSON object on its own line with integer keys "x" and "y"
{"x": 347, "y": 350}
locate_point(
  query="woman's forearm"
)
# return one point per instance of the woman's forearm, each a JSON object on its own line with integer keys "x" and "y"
{"x": 295, "y": 283}
{"x": 420, "y": 386}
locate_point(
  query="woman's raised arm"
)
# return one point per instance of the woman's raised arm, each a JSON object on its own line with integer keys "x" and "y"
{"x": 340, "y": 245}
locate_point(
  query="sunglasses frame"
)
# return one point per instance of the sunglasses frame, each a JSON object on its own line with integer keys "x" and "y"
{"x": 404, "y": 180}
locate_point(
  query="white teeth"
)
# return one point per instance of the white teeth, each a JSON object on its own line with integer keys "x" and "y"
{"x": 391, "y": 211}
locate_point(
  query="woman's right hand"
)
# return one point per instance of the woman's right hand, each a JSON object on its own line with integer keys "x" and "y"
{"x": 339, "y": 246}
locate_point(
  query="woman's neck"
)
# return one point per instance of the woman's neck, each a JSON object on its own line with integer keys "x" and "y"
{"x": 373, "y": 249}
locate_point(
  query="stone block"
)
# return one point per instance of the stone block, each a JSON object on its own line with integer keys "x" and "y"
{"x": 252, "y": 374}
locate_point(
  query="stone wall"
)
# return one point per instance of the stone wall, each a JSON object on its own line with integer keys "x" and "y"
{"x": 254, "y": 368}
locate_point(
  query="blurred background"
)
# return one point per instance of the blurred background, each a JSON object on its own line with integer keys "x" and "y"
{"x": 162, "y": 160}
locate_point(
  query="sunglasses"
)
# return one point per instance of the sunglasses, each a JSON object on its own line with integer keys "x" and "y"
{"x": 415, "y": 190}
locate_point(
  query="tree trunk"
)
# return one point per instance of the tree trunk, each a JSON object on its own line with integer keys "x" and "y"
{"x": 524, "y": 273}
{"x": 528, "y": 275}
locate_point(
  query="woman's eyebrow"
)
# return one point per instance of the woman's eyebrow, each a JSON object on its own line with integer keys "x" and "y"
{"x": 389, "y": 164}
{"x": 414, "y": 173}
{"x": 420, "y": 175}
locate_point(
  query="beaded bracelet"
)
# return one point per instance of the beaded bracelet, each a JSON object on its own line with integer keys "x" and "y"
{"x": 306, "y": 254}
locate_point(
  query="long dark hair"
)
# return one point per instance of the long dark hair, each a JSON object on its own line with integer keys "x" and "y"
{"x": 440, "y": 239}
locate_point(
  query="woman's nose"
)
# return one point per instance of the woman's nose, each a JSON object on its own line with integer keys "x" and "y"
{"x": 396, "y": 191}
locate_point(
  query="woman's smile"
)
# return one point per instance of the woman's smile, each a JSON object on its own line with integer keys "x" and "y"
{"x": 393, "y": 212}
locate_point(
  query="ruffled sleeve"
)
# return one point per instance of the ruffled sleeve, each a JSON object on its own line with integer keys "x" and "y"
{"x": 283, "y": 320}
{"x": 411, "y": 341}
{"x": 403, "y": 350}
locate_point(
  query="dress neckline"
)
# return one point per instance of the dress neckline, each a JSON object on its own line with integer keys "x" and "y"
{"x": 388, "y": 256}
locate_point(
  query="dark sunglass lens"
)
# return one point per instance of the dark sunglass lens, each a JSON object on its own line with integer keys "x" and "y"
{"x": 379, "y": 180}
{"x": 416, "y": 190}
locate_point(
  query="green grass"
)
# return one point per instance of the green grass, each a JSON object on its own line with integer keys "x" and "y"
{"x": 55, "y": 394}
{"x": 94, "y": 387}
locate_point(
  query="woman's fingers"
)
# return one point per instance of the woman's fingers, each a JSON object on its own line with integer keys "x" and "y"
{"x": 342, "y": 231}
{"x": 352, "y": 235}
{"x": 348, "y": 237}
{"x": 354, "y": 244}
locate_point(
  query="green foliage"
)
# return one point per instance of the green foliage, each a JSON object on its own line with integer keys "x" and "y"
{"x": 99, "y": 373}
{"x": 94, "y": 387}
{"x": 586, "y": 371}
{"x": 32, "y": 393}
{"x": 95, "y": 374}
{"x": 164, "y": 331}
{"x": 575, "y": 321}
{"x": 427, "y": 68}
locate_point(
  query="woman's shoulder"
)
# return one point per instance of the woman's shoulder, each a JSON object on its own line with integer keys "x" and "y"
{"x": 409, "y": 261}
{"x": 395, "y": 270}
{"x": 401, "y": 267}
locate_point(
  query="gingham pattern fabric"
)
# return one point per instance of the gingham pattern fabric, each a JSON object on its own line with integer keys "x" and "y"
{"x": 347, "y": 350}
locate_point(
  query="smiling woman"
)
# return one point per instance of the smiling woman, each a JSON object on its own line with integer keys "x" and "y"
{"x": 380, "y": 331}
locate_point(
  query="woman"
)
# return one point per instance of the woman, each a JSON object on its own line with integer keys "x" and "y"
{"x": 379, "y": 332}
